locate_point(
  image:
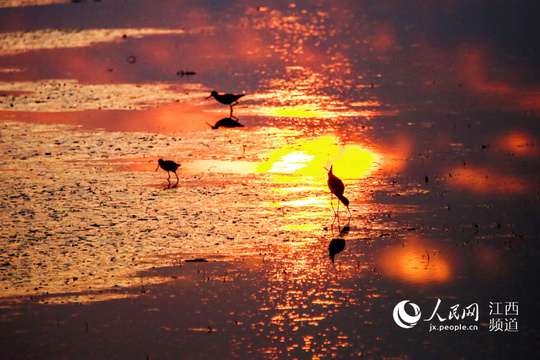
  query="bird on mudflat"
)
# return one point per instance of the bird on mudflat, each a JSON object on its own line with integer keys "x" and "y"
{"x": 226, "y": 99}
{"x": 168, "y": 166}
{"x": 230, "y": 122}
{"x": 337, "y": 188}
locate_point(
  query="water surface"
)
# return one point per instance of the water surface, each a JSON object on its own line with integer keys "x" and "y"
{"x": 428, "y": 113}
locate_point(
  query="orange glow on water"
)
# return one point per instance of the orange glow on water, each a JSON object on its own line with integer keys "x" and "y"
{"x": 485, "y": 181}
{"x": 395, "y": 153}
{"x": 385, "y": 39}
{"x": 165, "y": 119}
{"x": 473, "y": 70}
{"x": 411, "y": 263}
{"x": 239, "y": 167}
{"x": 243, "y": 245}
{"x": 302, "y": 94}
{"x": 518, "y": 143}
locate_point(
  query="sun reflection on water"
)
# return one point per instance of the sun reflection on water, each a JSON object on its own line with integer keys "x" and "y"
{"x": 297, "y": 112}
{"x": 485, "y": 181}
{"x": 298, "y": 172}
{"x": 416, "y": 262}
{"x": 93, "y": 216}
{"x": 306, "y": 93}
{"x": 518, "y": 143}
{"x": 306, "y": 160}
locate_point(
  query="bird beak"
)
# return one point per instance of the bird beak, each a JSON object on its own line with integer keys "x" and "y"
{"x": 208, "y": 97}
{"x": 157, "y": 167}
{"x": 326, "y": 169}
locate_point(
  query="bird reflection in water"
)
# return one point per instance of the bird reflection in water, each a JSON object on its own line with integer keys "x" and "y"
{"x": 338, "y": 244}
{"x": 230, "y": 122}
{"x": 169, "y": 166}
{"x": 226, "y": 99}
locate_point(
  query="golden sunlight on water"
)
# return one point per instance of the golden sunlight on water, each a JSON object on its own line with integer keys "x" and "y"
{"x": 242, "y": 241}
{"x": 303, "y": 94}
{"x": 318, "y": 110}
{"x": 11, "y": 3}
{"x": 298, "y": 112}
{"x": 306, "y": 160}
{"x": 23, "y": 41}
{"x": 300, "y": 167}
{"x": 239, "y": 167}
{"x": 60, "y": 95}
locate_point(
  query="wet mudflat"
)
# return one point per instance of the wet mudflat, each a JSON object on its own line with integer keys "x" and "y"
{"x": 436, "y": 141}
{"x": 98, "y": 241}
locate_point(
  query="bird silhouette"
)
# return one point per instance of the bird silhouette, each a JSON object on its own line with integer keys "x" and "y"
{"x": 226, "y": 99}
{"x": 337, "y": 188}
{"x": 230, "y": 122}
{"x": 168, "y": 166}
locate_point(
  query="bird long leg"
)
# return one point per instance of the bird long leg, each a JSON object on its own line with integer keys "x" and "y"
{"x": 332, "y": 204}
{"x": 168, "y": 180}
{"x": 177, "y": 179}
{"x": 231, "y": 105}
{"x": 337, "y": 215}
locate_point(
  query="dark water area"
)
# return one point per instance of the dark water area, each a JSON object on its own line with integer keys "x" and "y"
{"x": 427, "y": 111}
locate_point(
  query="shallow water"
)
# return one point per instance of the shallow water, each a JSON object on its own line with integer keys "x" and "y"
{"x": 432, "y": 128}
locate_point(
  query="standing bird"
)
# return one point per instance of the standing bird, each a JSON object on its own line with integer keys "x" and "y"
{"x": 337, "y": 188}
{"x": 226, "y": 99}
{"x": 168, "y": 165}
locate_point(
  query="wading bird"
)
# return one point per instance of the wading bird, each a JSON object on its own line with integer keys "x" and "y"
{"x": 226, "y": 99}
{"x": 337, "y": 188}
{"x": 230, "y": 122}
{"x": 168, "y": 165}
